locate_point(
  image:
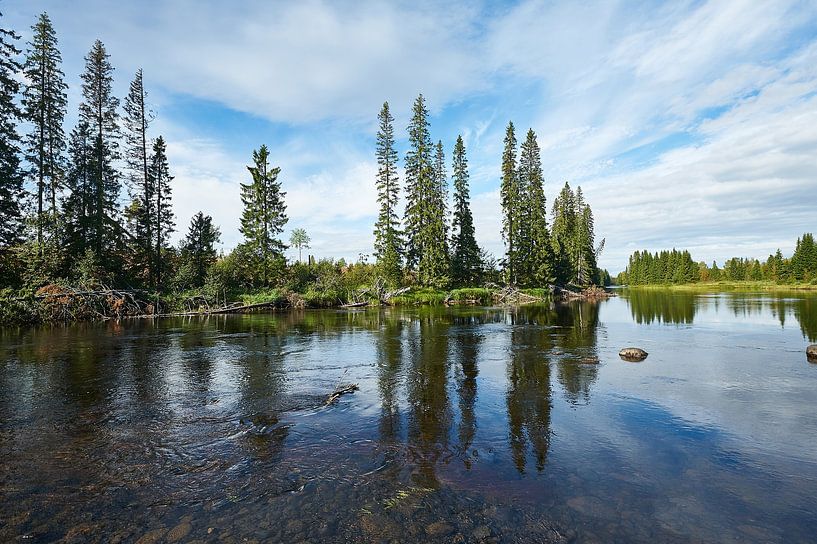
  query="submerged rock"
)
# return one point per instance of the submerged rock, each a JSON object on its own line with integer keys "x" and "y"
{"x": 633, "y": 354}
{"x": 811, "y": 353}
{"x": 592, "y": 360}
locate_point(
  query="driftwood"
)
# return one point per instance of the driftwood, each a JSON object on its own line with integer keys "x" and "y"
{"x": 355, "y": 304}
{"x": 58, "y": 303}
{"x": 233, "y": 308}
{"x": 339, "y": 391}
{"x": 377, "y": 291}
{"x": 512, "y": 295}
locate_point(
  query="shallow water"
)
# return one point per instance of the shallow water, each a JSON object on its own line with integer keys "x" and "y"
{"x": 470, "y": 425}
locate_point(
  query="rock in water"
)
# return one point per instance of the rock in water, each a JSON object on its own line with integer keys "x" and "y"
{"x": 811, "y": 353}
{"x": 633, "y": 354}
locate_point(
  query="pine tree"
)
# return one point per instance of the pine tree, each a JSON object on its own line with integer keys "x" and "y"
{"x": 264, "y": 214}
{"x": 387, "y": 234}
{"x": 199, "y": 246}
{"x": 511, "y": 204}
{"x": 535, "y": 252}
{"x": 45, "y": 102}
{"x": 159, "y": 179}
{"x": 138, "y": 117}
{"x": 98, "y": 110}
{"x": 419, "y": 182}
{"x": 466, "y": 262}
{"x": 11, "y": 176}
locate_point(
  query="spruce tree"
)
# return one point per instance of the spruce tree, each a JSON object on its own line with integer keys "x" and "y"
{"x": 45, "y": 102}
{"x": 11, "y": 176}
{"x": 535, "y": 251}
{"x": 387, "y": 243}
{"x": 433, "y": 269}
{"x": 98, "y": 110}
{"x": 138, "y": 117}
{"x": 159, "y": 179}
{"x": 466, "y": 262}
{"x": 511, "y": 204}
{"x": 563, "y": 235}
{"x": 264, "y": 214}
{"x": 78, "y": 205}
{"x": 419, "y": 182}
{"x": 199, "y": 246}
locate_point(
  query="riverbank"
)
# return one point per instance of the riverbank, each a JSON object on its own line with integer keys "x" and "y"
{"x": 55, "y": 303}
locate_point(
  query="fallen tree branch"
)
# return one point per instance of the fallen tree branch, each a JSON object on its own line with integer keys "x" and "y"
{"x": 339, "y": 391}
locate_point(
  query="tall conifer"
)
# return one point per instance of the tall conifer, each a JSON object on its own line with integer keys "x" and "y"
{"x": 98, "y": 110}
{"x": 466, "y": 263}
{"x": 45, "y": 102}
{"x": 11, "y": 176}
{"x": 162, "y": 220}
{"x": 511, "y": 205}
{"x": 536, "y": 253}
{"x": 419, "y": 182}
{"x": 138, "y": 117}
{"x": 434, "y": 262}
{"x": 264, "y": 214}
{"x": 387, "y": 229}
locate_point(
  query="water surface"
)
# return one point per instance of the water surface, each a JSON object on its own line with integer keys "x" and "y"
{"x": 470, "y": 425}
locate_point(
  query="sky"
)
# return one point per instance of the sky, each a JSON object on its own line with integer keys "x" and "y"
{"x": 688, "y": 124}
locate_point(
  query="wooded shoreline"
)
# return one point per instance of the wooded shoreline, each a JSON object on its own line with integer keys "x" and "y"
{"x": 56, "y": 304}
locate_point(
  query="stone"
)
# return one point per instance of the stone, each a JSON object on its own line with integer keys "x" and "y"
{"x": 592, "y": 360}
{"x": 811, "y": 353}
{"x": 439, "y": 528}
{"x": 632, "y": 354}
{"x": 151, "y": 537}
{"x": 179, "y": 532}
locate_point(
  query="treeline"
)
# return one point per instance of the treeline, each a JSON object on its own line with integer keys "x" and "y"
{"x": 93, "y": 205}
{"x": 678, "y": 267}
{"x": 426, "y": 248}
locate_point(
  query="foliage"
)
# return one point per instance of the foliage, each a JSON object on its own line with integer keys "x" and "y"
{"x": 264, "y": 218}
{"x": 677, "y": 267}
{"x": 44, "y": 102}
{"x": 466, "y": 265}
{"x": 388, "y": 244}
{"x": 299, "y": 239}
{"x": 510, "y": 196}
{"x": 11, "y": 175}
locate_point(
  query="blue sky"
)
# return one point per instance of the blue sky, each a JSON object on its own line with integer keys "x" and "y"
{"x": 687, "y": 124}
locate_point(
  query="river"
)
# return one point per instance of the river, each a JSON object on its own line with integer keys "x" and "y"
{"x": 471, "y": 424}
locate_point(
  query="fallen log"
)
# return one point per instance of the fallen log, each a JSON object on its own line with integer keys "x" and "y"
{"x": 355, "y": 304}
{"x": 236, "y": 309}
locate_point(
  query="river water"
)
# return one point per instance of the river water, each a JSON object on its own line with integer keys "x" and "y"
{"x": 470, "y": 424}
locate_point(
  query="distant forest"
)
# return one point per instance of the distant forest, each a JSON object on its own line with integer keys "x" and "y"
{"x": 678, "y": 267}
{"x": 93, "y": 206}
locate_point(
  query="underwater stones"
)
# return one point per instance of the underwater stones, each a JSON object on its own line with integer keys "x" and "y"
{"x": 591, "y": 360}
{"x": 633, "y": 354}
{"x": 811, "y": 353}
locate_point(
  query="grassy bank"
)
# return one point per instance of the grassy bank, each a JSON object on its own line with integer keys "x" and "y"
{"x": 730, "y": 286}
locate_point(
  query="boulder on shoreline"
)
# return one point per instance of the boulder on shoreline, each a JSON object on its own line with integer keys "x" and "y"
{"x": 811, "y": 353}
{"x": 633, "y": 354}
